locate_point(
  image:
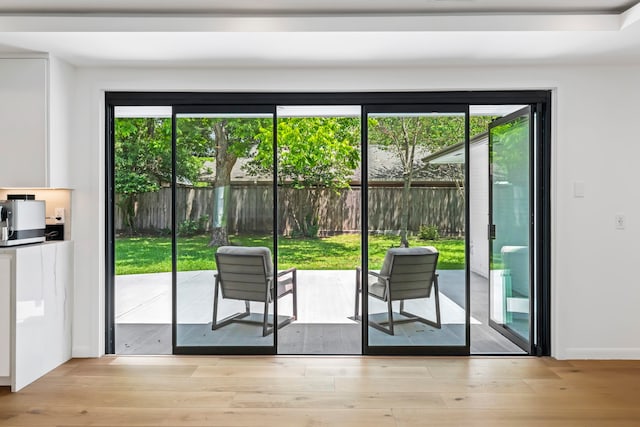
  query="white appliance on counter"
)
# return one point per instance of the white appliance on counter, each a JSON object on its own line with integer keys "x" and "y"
{"x": 22, "y": 222}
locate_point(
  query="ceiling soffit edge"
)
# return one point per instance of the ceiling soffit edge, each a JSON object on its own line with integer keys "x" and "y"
{"x": 326, "y": 23}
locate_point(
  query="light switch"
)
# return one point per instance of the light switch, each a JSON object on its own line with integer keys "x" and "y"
{"x": 621, "y": 221}
{"x": 578, "y": 189}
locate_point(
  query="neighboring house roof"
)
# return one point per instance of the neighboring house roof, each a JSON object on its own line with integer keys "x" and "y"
{"x": 384, "y": 165}
{"x": 454, "y": 154}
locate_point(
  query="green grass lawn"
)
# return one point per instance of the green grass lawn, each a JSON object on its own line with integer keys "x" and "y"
{"x": 136, "y": 255}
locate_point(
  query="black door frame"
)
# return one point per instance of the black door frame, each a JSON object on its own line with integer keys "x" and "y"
{"x": 540, "y": 98}
{"x": 529, "y": 344}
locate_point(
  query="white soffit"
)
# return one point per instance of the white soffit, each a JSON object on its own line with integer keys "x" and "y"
{"x": 566, "y": 31}
{"x": 142, "y": 112}
{"x": 318, "y": 111}
{"x": 330, "y": 23}
{"x": 493, "y": 110}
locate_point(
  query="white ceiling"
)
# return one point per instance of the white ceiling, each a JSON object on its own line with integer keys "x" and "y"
{"x": 257, "y": 33}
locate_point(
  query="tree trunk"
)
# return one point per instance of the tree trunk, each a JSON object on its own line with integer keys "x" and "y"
{"x": 409, "y": 143}
{"x": 404, "y": 212}
{"x": 127, "y": 205}
{"x": 219, "y": 236}
{"x": 311, "y": 216}
{"x": 222, "y": 188}
{"x": 219, "y": 228}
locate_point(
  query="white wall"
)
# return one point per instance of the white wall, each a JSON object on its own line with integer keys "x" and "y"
{"x": 595, "y": 141}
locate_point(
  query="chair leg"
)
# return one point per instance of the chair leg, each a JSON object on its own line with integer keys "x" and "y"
{"x": 295, "y": 294}
{"x": 390, "y": 310}
{"x": 412, "y": 317}
{"x": 215, "y": 303}
{"x": 265, "y": 320}
{"x": 437, "y": 296}
{"x": 215, "y": 323}
{"x": 356, "y": 311}
{"x": 390, "y": 320}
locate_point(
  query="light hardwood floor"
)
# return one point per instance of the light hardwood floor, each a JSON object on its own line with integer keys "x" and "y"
{"x": 328, "y": 391}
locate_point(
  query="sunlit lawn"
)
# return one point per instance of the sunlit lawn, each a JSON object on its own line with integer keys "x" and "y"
{"x": 136, "y": 255}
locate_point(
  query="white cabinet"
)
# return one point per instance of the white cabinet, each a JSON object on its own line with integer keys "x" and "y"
{"x": 24, "y": 122}
{"x": 41, "y": 309}
{"x": 5, "y": 320}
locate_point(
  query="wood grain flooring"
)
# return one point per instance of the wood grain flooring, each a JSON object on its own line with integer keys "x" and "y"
{"x": 328, "y": 391}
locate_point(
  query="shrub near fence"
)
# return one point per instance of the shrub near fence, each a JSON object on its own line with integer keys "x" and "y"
{"x": 252, "y": 207}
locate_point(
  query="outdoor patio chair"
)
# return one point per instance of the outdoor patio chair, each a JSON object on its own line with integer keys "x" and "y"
{"x": 246, "y": 274}
{"x": 407, "y": 273}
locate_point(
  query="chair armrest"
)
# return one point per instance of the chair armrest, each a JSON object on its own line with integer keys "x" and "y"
{"x": 290, "y": 270}
{"x": 378, "y": 275}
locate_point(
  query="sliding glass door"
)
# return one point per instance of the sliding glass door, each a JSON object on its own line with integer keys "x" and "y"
{"x": 224, "y": 230}
{"x": 248, "y": 185}
{"x": 511, "y": 289}
{"x": 414, "y": 282}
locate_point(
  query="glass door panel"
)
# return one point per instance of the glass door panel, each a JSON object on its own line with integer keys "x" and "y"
{"x": 224, "y": 232}
{"x": 319, "y": 199}
{"x": 417, "y": 279}
{"x": 510, "y": 285}
{"x": 142, "y": 172}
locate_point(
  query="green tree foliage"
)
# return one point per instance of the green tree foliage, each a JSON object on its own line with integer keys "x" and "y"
{"x": 510, "y": 153}
{"x": 314, "y": 153}
{"x": 403, "y": 134}
{"x": 143, "y": 159}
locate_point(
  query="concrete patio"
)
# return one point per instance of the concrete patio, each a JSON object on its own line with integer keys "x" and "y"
{"x": 326, "y": 300}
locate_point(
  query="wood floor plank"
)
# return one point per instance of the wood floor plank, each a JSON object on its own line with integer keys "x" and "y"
{"x": 628, "y": 378}
{"x": 543, "y": 402}
{"x": 338, "y": 400}
{"x": 521, "y": 417}
{"x": 179, "y": 385}
{"x": 133, "y": 371}
{"x": 369, "y": 371}
{"x": 494, "y": 371}
{"x": 250, "y": 371}
{"x": 622, "y": 392}
{"x": 165, "y": 360}
{"x": 240, "y": 417}
{"x": 125, "y": 398}
{"x": 422, "y": 385}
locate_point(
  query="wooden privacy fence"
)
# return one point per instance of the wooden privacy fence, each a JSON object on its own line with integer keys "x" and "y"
{"x": 339, "y": 212}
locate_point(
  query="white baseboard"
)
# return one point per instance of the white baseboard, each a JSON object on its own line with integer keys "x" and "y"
{"x": 626, "y": 353}
{"x": 4, "y": 381}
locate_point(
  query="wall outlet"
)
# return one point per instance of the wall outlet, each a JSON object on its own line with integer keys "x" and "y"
{"x": 59, "y": 215}
{"x": 621, "y": 221}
